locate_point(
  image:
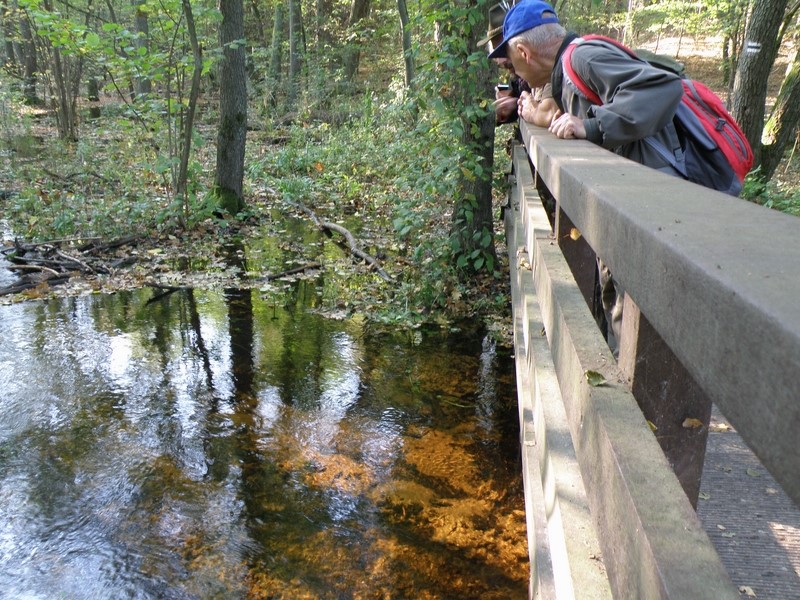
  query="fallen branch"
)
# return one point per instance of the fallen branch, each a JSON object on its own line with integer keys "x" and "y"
{"x": 77, "y": 261}
{"x": 92, "y": 248}
{"x": 32, "y": 268}
{"x": 351, "y": 240}
{"x": 27, "y": 284}
{"x": 295, "y": 271}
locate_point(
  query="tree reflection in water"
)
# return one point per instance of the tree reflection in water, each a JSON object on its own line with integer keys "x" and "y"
{"x": 234, "y": 445}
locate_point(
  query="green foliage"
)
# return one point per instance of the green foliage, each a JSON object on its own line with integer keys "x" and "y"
{"x": 452, "y": 84}
{"x": 397, "y": 182}
{"x": 772, "y": 194}
{"x": 652, "y": 19}
{"x": 388, "y": 165}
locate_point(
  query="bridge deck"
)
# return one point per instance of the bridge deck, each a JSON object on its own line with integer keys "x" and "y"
{"x": 751, "y": 521}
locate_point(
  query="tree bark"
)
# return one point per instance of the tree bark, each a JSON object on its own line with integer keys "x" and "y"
{"x": 232, "y": 108}
{"x": 9, "y": 33}
{"x": 405, "y": 30}
{"x": 194, "y": 93}
{"x": 757, "y": 57}
{"x": 781, "y": 128}
{"x": 276, "y": 54}
{"x": 30, "y": 63}
{"x": 142, "y": 85}
{"x": 359, "y": 10}
{"x": 295, "y": 27}
{"x": 473, "y": 223}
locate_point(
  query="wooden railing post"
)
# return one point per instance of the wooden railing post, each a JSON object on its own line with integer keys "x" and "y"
{"x": 675, "y": 407}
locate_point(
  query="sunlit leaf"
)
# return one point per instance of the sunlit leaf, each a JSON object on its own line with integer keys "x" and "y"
{"x": 574, "y": 234}
{"x": 652, "y": 426}
{"x": 594, "y": 378}
{"x": 691, "y": 423}
{"x": 747, "y": 591}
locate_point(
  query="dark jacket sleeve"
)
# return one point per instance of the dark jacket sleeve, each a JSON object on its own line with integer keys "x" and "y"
{"x": 639, "y": 100}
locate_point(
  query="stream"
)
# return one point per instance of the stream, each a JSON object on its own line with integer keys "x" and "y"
{"x": 228, "y": 444}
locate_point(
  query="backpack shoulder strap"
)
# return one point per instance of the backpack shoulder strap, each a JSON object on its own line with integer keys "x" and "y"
{"x": 674, "y": 155}
{"x": 566, "y": 62}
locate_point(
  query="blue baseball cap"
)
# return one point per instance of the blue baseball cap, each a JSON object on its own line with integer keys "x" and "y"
{"x": 524, "y": 15}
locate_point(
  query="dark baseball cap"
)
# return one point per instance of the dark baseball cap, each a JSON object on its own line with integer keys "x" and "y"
{"x": 523, "y": 16}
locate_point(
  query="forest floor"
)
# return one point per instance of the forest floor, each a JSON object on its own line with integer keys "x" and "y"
{"x": 703, "y": 60}
{"x": 151, "y": 259}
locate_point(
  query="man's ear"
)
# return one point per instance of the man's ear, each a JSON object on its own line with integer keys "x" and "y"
{"x": 523, "y": 51}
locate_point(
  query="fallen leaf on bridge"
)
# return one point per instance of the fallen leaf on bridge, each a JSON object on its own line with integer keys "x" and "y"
{"x": 719, "y": 427}
{"x": 594, "y": 378}
{"x": 747, "y": 591}
{"x": 691, "y": 423}
{"x": 574, "y": 234}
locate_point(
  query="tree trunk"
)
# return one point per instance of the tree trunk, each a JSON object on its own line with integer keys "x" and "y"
{"x": 188, "y": 122}
{"x": 781, "y": 128}
{"x": 93, "y": 96}
{"x": 142, "y": 84}
{"x": 66, "y": 116}
{"x": 405, "y": 29}
{"x": 295, "y": 26}
{"x": 473, "y": 224}
{"x": 359, "y": 9}
{"x": 232, "y": 108}
{"x": 9, "y": 33}
{"x": 757, "y": 57}
{"x": 320, "y": 17}
{"x": 30, "y": 63}
{"x": 276, "y": 54}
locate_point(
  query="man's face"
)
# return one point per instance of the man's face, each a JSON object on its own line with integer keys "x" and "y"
{"x": 528, "y": 65}
{"x": 505, "y": 63}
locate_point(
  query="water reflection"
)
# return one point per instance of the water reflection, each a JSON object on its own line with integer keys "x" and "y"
{"x": 224, "y": 445}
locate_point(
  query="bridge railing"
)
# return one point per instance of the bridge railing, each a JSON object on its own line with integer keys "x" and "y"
{"x": 613, "y": 449}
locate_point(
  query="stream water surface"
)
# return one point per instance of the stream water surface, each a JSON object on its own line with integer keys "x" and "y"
{"x": 224, "y": 445}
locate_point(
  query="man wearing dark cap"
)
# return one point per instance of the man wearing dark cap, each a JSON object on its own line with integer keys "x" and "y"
{"x": 517, "y": 98}
{"x": 506, "y": 95}
{"x": 638, "y": 100}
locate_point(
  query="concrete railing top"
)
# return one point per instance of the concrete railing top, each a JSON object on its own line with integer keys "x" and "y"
{"x": 718, "y": 277}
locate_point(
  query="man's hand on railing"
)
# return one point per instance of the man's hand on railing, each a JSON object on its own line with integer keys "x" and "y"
{"x": 539, "y": 112}
{"x": 568, "y": 127}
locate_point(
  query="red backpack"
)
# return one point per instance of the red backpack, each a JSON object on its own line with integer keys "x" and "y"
{"x": 717, "y": 153}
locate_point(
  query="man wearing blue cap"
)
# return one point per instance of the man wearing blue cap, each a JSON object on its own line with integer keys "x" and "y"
{"x": 638, "y": 100}
{"x": 637, "y": 109}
